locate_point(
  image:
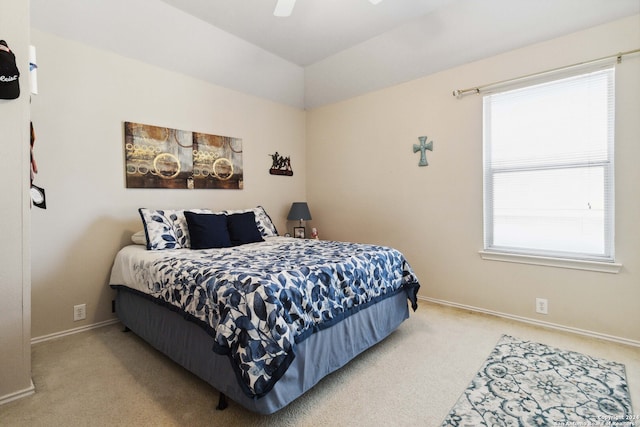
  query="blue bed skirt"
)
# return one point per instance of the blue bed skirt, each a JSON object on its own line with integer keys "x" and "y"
{"x": 325, "y": 351}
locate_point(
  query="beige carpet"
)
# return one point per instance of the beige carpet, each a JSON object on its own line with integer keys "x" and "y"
{"x": 108, "y": 378}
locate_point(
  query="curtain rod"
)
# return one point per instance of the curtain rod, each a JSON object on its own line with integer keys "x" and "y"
{"x": 459, "y": 93}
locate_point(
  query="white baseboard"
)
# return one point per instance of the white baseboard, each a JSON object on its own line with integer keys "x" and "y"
{"x": 563, "y": 328}
{"x": 55, "y": 335}
{"x": 18, "y": 394}
{"x": 556, "y": 326}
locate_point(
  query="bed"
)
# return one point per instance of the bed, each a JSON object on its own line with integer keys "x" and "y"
{"x": 262, "y": 318}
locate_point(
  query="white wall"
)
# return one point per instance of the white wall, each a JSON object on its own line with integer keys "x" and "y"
{"x": 364, "y": 184}
{"x": 85, "y": 96}
{"x": 15, "y": 308}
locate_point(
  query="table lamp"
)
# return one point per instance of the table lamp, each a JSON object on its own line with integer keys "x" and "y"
{"x": 299, "y": 211}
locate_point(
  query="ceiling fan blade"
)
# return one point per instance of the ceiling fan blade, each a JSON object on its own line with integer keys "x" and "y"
{"x": 284, "y": 7}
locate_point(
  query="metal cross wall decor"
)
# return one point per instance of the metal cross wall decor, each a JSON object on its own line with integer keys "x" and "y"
{"x": 422, "y": 149}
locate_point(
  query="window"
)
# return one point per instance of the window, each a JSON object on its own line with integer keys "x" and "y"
{"x": 548, "y": 168}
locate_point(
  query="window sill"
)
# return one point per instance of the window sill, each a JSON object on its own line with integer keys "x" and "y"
{"x": 599, "y": 266}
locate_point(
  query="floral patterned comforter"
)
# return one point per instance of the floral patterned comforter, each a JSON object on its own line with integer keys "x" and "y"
{"x": 259, "y": 300}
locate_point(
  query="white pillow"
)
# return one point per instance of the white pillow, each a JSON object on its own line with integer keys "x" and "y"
{"x": 139, "y": 238}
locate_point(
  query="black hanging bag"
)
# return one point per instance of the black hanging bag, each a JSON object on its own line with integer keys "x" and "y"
{"x": 9, "y": 74}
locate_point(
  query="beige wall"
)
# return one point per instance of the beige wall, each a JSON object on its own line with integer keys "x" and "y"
{"x": 364, "y": 184}
{"x": 85, "y": 96}
{"x": 15, "y": 309}
{"x": 356, "y": 170}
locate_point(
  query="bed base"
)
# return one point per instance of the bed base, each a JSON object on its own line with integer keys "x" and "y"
{"x": 222, "y": 402}
{"x": 189, "y": 345}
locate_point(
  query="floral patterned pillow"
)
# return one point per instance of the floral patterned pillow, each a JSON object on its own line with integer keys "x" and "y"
{"x": 166, "y": 228}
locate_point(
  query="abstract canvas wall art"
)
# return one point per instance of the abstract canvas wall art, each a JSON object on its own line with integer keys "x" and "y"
{"x": 160, "y": 157}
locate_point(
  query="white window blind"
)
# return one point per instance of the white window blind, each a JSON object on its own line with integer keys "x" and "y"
{"x": 548, "y": 168}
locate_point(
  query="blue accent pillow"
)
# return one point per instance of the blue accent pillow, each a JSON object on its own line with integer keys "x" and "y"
{"x": 207, "y": 230}
{"x": 243, "y": 228}
{"x": 263, "y": 220}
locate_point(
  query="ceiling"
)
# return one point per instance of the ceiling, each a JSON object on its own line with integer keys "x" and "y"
{"x": 327, "y": 50}
{"x": 315, "y": 30}
{"x": 318, "y": 29}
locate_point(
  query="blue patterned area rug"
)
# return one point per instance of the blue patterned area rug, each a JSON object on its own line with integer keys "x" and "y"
{"x": 525, "y": 383}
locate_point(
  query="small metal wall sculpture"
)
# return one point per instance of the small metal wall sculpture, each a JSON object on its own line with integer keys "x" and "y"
{"x": 422, "y": 149}
{"x": 281, "y": 165}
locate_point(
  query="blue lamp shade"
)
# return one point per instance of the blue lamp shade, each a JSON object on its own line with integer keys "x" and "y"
{"x": 299, "y": 211}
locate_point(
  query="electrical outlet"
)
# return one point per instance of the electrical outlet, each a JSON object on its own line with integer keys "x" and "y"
{"x": 542, "y": 306}
{"x": 79, "y": 312}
